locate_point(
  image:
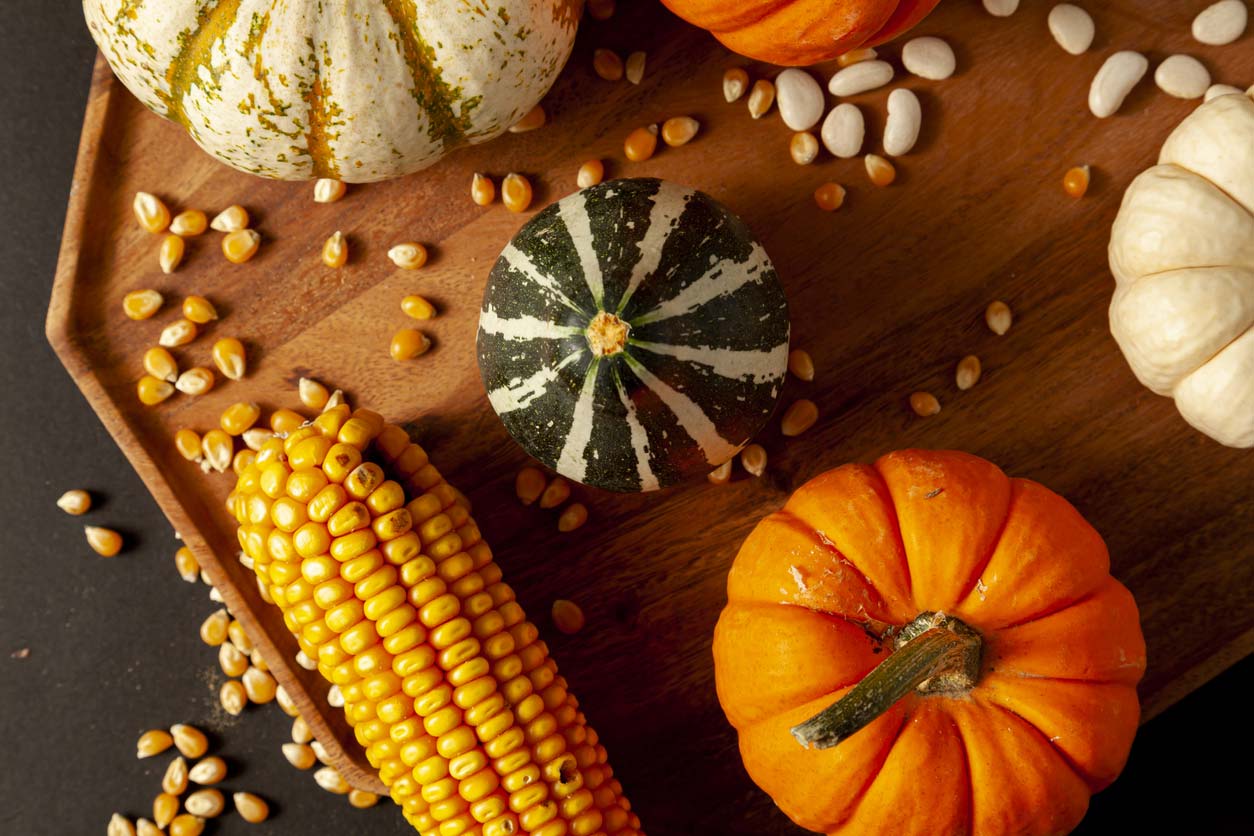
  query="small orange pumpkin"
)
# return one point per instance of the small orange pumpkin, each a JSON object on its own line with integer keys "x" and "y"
{"x": 801, "y": 32}
{"x": 925, "y": 647}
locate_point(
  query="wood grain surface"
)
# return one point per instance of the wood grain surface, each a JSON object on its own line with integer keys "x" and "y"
{"x": 887, "y": 294}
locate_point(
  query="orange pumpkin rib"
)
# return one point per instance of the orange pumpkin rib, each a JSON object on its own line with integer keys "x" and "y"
{"x": 951, "y": 509}
{"x": 720, "y": 15}
{"x": 1097, "y": 639}
{"x": 771, "y": 658}
{"x": 1090, "y": 724}
{"x": 906, "y": 16}
{"x": 817, "y": 788}
{"x": 851, "y": 511}
{"x": 1047, "y": 557}
{"x": 805, "y": 32}
{"x": 784, "y": 562}
{"x": 924, "y": 786}
{"x": 1019, "y": 782}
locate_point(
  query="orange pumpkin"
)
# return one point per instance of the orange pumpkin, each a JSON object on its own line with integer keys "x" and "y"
{"x": 925, "y": 647}
{"x": 801, "y": 32}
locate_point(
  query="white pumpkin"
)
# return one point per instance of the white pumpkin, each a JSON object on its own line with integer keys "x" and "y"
{"x": 1182, "y": 251}
{"x": 358, "y": 90}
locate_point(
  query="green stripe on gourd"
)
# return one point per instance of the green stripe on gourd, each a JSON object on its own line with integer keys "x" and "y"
{"x": 633, "y": 335}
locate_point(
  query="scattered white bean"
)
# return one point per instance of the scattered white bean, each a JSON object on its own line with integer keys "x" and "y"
{"x": 1182, "y": 76}
{"x": 1221, "y": 23}
{"x": 800, "y": 99}
{"x": 905, "y": 116}
{"x": 843, "y": 131}
{"x": 1072, "y": 28}
{"x": 1115, "y": 80}
{"x": 1217, "y": 90}
{"x": 1001, "y": 8}
{"x": 929, "y": 58}
{"x": 860, "y": 77}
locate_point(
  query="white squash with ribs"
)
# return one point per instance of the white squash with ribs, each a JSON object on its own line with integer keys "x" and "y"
{"x": 357, "y": 90}
{"x": 1182, "y": 252}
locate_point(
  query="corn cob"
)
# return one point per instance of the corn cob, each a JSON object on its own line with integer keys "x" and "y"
{"x": 388, "y": 585}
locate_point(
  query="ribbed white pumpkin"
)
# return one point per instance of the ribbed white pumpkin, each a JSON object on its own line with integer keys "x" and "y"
{"x": 357, "y": 90}
{"x": 1182, "y": 251}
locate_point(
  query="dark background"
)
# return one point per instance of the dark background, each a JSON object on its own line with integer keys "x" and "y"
{"x": 113, "y": 646}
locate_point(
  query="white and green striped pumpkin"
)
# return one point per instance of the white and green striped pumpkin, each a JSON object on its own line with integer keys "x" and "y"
{"x": 633, "y": 334}
{"x": 358, "y": 90}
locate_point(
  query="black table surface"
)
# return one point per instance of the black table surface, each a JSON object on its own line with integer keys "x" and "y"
{"x": 113, "y": 646}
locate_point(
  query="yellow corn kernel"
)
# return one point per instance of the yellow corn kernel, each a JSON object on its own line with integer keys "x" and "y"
{"x": 641, "y": 143}
{"x": 231, "y": 660}
{"x": 177, "y": 333}
{"x": 880, "y": 170}
{"x": 251, "y": 808}
{"x": 535, "y": 118}
{"x": 174, "y": 781}
{"x": 590, "y": 173}
{"x": 328, "y": 190}
{"x": 161, "y": 364}
{"x": 761, "y": 97}
{"x": 228, "y": 356}
{"x": 213, "y": 629}
{"x": 189, "y": 223}
{"x": 574, "y": 516}
{"x": 924, "y": 404}
{"x": 417, "y": 307}
{"x": 199, "y": 310}
{"x": 855, "y": 56}
{"x": 299, "y": 756}
{"x": 516, "y": 192}
{"x": 231, "y": 219}
{"x": 153, "y": 742}
{"x": 75, "y": 502}
{"x": 335, "y": 250}
{"x": 408, "y": 256}
{"x": 408, "y": 343}
{"x": 331, "y": 781}
{"x": 191, "y": 741}
{"x": 187, "y": 824}
{"x": 803, "y": 148}
{"x": 607, "y": 64}
{"x": 555, "y": 494}
{"x": 567, "y": 616}
{"x": 141, "y": 304}
{"x": 211, "y": 770}
{"x": 482, "y": 189}
{"x": 104, "y": 541}
{"x": 218, "y": 449}
{"x": 284, "y": 421}
{"x": 241, "y": 245}
{"x": 312, "y": 393}
{"x": 187, "y": 442}
{"x": 164, "y": 808}
{"x": 151, "y": 213}
{"x": 1076, "y": 181}
{"x": 735, "y": 82}
{"x": 259, "y": 685}
{"x": 195, "y": 381}
{"x": 362, "y": 799}
{"x": 170, "y": 253}
{"x": 233, "y": 697}
{"x": 679, "y": 130}
{"x": 239, "y": 417}
{"x": 830, "y": 196}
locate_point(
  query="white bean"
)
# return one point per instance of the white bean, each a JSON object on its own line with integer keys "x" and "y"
{"x": 860, "y": 77}
{"x": 929, "y": 58}
{"x": 1221, "y": 23}
{"x": 1217, "y": 90}
{"x": 1182, "y": 76}
{"x": 843, "y": 131}
{"x": 1115, "y": 80}
{"x": 1001, "y": 8}
{"x": 800, "y": 99}
{"x": 1072, "y": 28}
{"x": 905, "y": 116}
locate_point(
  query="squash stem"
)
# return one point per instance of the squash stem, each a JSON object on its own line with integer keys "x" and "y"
{"x": 935, "y": 653}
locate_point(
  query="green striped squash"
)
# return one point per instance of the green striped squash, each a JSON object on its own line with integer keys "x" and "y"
{"x": 633, "y": 334}
{"x": 358, "y": 90}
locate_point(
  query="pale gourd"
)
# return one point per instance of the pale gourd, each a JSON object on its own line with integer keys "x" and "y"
{"x": 356, "y": 90}
{"x": 1182, "y": 251}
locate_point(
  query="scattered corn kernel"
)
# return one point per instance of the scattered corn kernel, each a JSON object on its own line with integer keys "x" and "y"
{"x": 408, "y": 343}
{"x": 206, "y": 803}
{"x": 195, "y": 381}
{"x": 556, "y": 493}
{"x": 803, "y": 148}
{"x": 231, "y": 660}
{"x": 924, "y": 404}
{"x": 516, "y": 192}
{"x": 679, "y": 130}
{"x": 535, "y": 118}
{"x": 151, "y": 212}
{"x": 335, "y": 250}
{"x": 337, "y": 398}
{"x": 241, "y": 245}
{"x": 189, "y": 223}
{"x": 830, "y": 196}
{"x": 229, "y": 357}
{"x": 416, "y": 307}
{"x": 161, "y": 364}
{"x": 799, "y": 417}
{"x": 482, "y": 189}
{"x": 143, "y": 827}
{"x": 152, "y": 391}
{"x": 567, "y": 616}
{"x": 735, "y": 82}
{"x": 213, "y": 628}
{"x": 185, "y": 562}
{"x": 299, "y": 755}
{"x": 218, "y": 450}
{"x": 998, "y": 317}
{"x": 761, "y": 97}
{"x": 211, "y": 770}
{"x": 801, "y": 364}
{"x": 186, "y": 824}
{"x": 170, "y": 253}
{"x": 255, "y": 437}
{"x": 968, "y": 372}
{"x": 141, "y": 304}
{"x": 75, "y": 502}
{"x": 174, "y": 781}
{"x": 239, "y": 417}
{"x": 153, "y": 742}
{"x": 312, "y": 394}
{"x": 880, "y": 170}
{"x": 119, "y": 825}
{"x": 362, "y": 799}
{"x": 529, "y": 484}
{"x": 641, "y": 143}
{"x": 259, "y": 685}
{"x": 231, "y": 219}
{"x": 590, "y": 173}
{"x": 233, "y": 697}
{"x": 187, "y": 442}
{"x": 607, "y": 64}
{"x": 574, "y": 516}
{"x": 332, "y": 781}
{"x": 320, "y": 752}
{"x": 328, "y": 190}
{"x": 753, "y": 459}
{"x": 300, "y": 731}
{"x": 177, "y": 333}
{"x": 633, "y": 69}
{"x": 199, "y": 310}
{"x": 251, "y": 808}
{"x": 601, "y": 9}
{"x": 855, "y": 56}
{"x": 1076, "y": 181}
{"x": 408, "y": 256}
{"x": 104, "y": 541}
{"x": 164, "y": 808}
{"x": 721, "y": 474}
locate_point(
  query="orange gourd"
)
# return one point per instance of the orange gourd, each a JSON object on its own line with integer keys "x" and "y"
{"x": 801, "y": 32}
{"x": 947, "y": 642}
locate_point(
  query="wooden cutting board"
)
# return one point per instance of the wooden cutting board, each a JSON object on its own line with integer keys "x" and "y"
{"x": 887, "y": 294}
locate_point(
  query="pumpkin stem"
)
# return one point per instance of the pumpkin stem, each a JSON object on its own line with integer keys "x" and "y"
{"x": 935, "y": 653}
{"x": 607, "y": 334}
